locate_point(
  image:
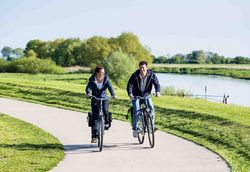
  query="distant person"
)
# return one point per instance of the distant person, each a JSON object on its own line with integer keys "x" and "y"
{"x": 140, "y": 84}
{"x": 98, "y": 84}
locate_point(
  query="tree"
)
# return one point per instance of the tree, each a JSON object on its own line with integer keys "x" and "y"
{"x": 52, "y": 48}
{"x": 18, "y": 52}
{"x": 162, "y": 59}
{"x": 241, "y": 60}
{"x": 197, "y": 57}
{"x": 7, "y": 52}
{"x": 34, "y": 45}
{"x": 177, "y": 59}
{"x": 31, "y": 54}
{"x": 229, "y": 60}
{"x": 216, "y": 59}
{"x": 129, "y": 44}
{"x": 41, "y": 48}
{"x": 3, "y": 64}
{"x": 64, "y": 52}
{"x": 95, "y": 49}
{"x": 119, "y": 67}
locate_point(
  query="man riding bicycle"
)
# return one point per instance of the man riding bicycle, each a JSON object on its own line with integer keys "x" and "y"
{"x": 140, "y": 84}
{"x": 98, "y": 83}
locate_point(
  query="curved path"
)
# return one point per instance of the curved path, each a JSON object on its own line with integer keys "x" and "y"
{"x": 121, "y": 151}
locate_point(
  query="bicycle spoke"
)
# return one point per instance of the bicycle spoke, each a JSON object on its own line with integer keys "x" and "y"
{"x": 140, "y": 130}
{"x": 150, "y": 129}
{"x": 101, "y": 132}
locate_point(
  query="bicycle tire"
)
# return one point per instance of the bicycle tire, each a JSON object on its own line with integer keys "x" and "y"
{"x": 150, "y": 130}
{"x": 101, "y": 133}
{"x": 141, "y": 129}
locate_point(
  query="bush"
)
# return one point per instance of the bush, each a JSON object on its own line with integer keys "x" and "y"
{"x": 119, "y": 67}
{"x": 48, "y": 66}
{"x": 33, "y": 65}
{"x": 3, "y": 64}
{"x": 175, "y": 92}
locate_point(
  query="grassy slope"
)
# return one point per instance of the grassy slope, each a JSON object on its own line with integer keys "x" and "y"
{"x": 224, "y": 129}
{"x": 24, "y": 147}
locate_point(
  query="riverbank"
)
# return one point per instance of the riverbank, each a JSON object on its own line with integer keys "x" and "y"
{"x": 225, "y": 129}
{"x": 234, "y": 71}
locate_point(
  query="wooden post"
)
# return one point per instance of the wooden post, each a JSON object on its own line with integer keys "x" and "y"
{"x": 205, "y": 92}
{"x": 224, "y": 98}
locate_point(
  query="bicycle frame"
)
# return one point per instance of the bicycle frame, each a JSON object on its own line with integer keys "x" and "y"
{"x": 100, "y": 122}
{"x": 145, "y": 120}
{"x": 100, "y": 99}
{"x": 143, "y": 105}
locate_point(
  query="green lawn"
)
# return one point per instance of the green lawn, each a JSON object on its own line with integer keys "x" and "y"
{"x": 225, "y": 129}
{"x": 24, "y": 147}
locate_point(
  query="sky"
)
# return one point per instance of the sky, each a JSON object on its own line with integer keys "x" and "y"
{"x": 166, "y": 27}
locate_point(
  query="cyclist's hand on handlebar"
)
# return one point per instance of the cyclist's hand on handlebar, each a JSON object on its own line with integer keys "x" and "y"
{"x": 88, "y": 95}
{"x": 158, "y": 94}
{"x": 113, "y": 97}
{"x": 131, "y": 97}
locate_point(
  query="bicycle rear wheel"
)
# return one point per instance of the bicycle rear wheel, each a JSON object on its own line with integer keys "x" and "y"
{"x": 100, "y": 133}
{"x": 141, "y": 130}
{"x": 150, "y": 130}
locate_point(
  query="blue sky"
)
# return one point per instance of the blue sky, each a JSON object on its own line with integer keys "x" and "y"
{"x": 166, "y": 26}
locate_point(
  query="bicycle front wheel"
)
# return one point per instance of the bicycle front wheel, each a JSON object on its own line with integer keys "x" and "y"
{"x": 100, "y": 133}
{"x": 141, "y": 130}
{"x": 150, "y": 130}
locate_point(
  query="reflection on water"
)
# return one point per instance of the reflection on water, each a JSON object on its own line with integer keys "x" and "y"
{"x": 237, "y": 89}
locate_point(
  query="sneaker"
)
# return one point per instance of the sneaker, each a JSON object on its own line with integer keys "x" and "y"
{"x": 135, "y": 133}
{"x": 93, "y": 140}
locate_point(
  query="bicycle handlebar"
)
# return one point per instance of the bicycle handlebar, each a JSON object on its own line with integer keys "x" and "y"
{"x": 143, "y": 98}
{"x": 101, "y": 99}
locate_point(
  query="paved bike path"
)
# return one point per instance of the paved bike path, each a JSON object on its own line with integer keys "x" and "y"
{"x": 121, "y": 152}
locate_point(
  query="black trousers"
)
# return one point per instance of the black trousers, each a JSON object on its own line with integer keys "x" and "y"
{"x": 95, "y": 106}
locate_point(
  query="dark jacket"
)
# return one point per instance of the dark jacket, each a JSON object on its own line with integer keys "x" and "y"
{"x": 134, "y": 88}
{"x": 100, "y": 93}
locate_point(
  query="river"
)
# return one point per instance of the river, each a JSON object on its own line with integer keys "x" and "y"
{"x": 237, "y": 89}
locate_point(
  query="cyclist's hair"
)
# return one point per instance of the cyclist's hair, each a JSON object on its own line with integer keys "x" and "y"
{"x": 98, "y": 68}
{"x": 143, "y": 63}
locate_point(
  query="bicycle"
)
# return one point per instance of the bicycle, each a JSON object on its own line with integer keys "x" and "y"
{"x": 100, "y": 122}
{"x": 145, "y": 123}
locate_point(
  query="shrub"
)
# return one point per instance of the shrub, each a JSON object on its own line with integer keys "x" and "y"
{"x": 3, "y": 64}
{"x": 48, "y": 66}
{"x": 33, "y": 65}
{"x": 119, "y": 67}
{"x": 175, "y": 92}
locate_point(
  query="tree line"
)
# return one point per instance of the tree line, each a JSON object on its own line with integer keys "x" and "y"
{"x": 89, "y": 52}
{"x": 94, "y": 50}
{"x": 201, "y": 57}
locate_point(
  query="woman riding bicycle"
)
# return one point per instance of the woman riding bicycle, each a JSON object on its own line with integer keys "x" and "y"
{"x": 98, "y": 84}
{"x": 140, "y": 84}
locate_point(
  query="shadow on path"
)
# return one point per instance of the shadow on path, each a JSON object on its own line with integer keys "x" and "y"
{"x": 88, "y": 148}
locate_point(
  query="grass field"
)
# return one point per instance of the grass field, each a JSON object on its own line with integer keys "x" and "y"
{"x": 24, "y": 147}
{"x": 224, "y": 129}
